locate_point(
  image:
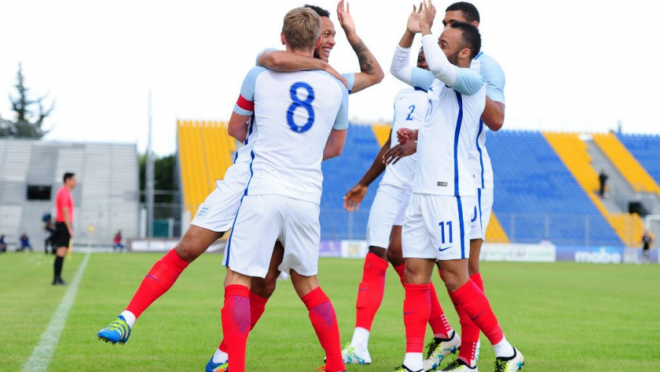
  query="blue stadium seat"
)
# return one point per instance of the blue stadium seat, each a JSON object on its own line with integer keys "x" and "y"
{"x": 534, "y": 188}
{"x": 342, "y": 173}
{"x": 531, "y": 182}
{"x": 646, "y": 149}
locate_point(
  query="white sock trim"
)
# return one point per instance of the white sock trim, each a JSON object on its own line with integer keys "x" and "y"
{"x": 414, "y": 361}
{"x": 129, "y": 317}
{"x": 220, "y": 356}
{"x": 360, "y": 338}
{"x": 503, "y": 349}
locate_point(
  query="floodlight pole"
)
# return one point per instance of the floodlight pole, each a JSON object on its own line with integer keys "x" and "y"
{"x": 150, "y": 179}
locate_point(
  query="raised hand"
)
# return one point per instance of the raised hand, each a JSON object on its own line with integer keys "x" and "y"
{"x": 345, "y": 18}
{"x": 427, "y": 17}
{"x": 354, "y": 197}
{"x": 393, "y": 155}
{"x": 413, "y": 19}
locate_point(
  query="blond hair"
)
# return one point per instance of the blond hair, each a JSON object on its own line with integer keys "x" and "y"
{"x": 302, "y": 28}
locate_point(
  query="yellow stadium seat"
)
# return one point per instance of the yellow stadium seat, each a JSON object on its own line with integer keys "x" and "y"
{"x": 382, "y": 133}
{"x": 495, "y": 233}
{"x": 573, "y": 153}
{"x": 204, "y": 156}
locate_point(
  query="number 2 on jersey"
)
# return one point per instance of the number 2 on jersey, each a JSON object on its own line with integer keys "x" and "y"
{"x": 412, "y": 109}
{"x": 297, "y": 102}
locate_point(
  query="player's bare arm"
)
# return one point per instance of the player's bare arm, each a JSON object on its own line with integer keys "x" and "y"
{"x": 284, "y": 61}
{"x": 237, "y": 126}
{"x": 396, "y": 153}
{"x": 356, "y": 194}
{"x": 493, "y": 115}
{"x": 371, "y": 72}
{"x": 335, "y": 144}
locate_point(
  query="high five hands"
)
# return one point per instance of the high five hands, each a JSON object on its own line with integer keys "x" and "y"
{"x": 422, "y": 17}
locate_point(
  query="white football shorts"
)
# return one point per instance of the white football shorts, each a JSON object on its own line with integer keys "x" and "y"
{"x": 481, "y": 213}
{"x": 388, "y": 209}
{"x": 218, "y": 211}
{"x": 261, "y": 221}
{"x": 438, "y": 227}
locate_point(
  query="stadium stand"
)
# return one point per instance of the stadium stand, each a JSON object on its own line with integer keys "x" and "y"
{"x": 534, "y": 191}
{"x": 626, "y": 163}
{"x": 340, "y": 175}
{"x": 495, "y": 232}
{"x": 646, "y": 149}
{"x": 205, "y": 152}
{"x": 382, "y": 133}
{"x": 573, "y": 153}
{"x": 547, "y": 193}
{"x": 106, "y": 197}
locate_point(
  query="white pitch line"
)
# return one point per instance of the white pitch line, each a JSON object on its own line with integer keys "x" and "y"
{"x": 43, "y": 353}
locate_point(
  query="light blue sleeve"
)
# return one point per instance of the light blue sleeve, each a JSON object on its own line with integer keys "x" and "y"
{"x": 422, "y": 78}
{"x": 468, "y": 81}
{"x": 256, "y": 63}
{"x": 245, "y": 104}
{"x": 350, "y": 78}
{"x": 341, "y": 122}
{"x": 494, "y": 75}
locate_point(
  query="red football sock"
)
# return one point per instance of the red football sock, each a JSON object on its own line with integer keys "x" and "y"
{"x": 159, "y": 280}
{"x": 257, "y": 308}
{"x": 437, "y": 320}
{"x": 474, "y": 302}
{"x": 236, "y": 324}
{"x": 324, "y": 321}
{"x": 401, "y": 270}
{"x": 416, "y": 311}
{"x": 370, "y": 292}
{"x": 469, "y": 330}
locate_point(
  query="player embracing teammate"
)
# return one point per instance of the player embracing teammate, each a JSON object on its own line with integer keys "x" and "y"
{"x": 280, "y": 179}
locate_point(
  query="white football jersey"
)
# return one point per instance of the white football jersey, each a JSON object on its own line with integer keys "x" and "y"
{"x": 445, "y": 141}
{"x": 293, "y": 114}
{"x": 410, "y": 107}
{"x": 480, "y": 163}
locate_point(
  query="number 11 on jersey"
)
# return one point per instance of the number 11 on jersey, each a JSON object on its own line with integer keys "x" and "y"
{"x": 442, "y": 231}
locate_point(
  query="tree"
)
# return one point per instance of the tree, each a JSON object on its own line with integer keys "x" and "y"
{"x": 164, "y": 173}
{"x": 29, "y": 122}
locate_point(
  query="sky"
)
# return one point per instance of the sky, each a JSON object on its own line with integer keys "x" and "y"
{"x": 570, "y": 65}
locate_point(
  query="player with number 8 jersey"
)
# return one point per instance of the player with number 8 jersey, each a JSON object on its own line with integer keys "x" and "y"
{"x": 293, "y": 114}
{"x": 301, "y": 118}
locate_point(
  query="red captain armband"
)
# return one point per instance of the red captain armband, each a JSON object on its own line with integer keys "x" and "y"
{"x": 245, "y": 104}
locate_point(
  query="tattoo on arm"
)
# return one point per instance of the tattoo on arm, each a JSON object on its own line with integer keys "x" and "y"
{"x": 364, "y": 57}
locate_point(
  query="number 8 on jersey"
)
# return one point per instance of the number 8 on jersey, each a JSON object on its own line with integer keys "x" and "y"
{"x": 297, "y": 103}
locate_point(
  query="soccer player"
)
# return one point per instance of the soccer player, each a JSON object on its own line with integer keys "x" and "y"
{"x": 369, "y": 75}
{"x": 216, "y": 215}
{"x": 301, "y": 118}
{"x": 63, "y": 224}
{"x": 493, "y": 118}
{"x": 386, "y": 218}
{"x": 437, "y": 226}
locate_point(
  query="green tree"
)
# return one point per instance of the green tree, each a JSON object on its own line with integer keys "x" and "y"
{"x": 29, "y": 121}
{"x": 164, "y": 181}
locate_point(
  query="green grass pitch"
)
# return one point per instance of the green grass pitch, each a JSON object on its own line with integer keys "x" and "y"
{"x": 562, "y": 316}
